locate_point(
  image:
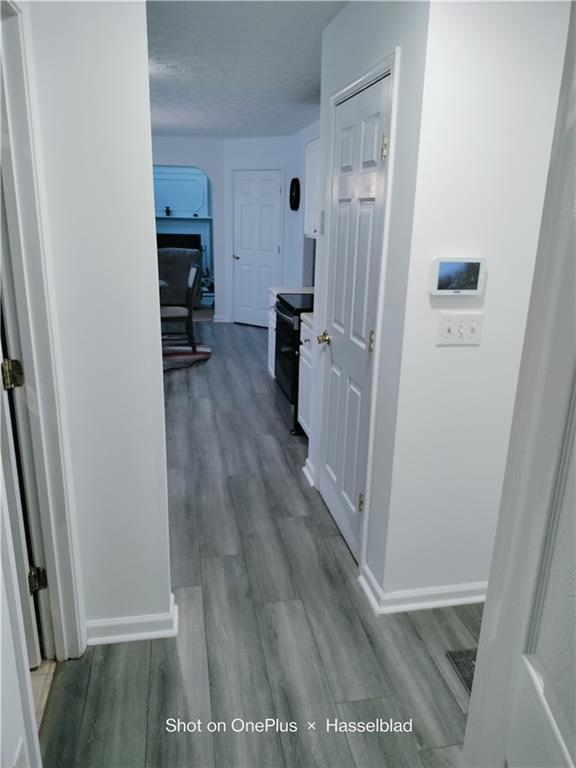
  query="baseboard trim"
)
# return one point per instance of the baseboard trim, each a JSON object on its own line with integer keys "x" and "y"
{"x": 371, "y": 587}
{"x": 222, "y": 319}
{"x": 309, "y": 472}
{"x": 419, "y": 599}
{"x": 131, "y": 628}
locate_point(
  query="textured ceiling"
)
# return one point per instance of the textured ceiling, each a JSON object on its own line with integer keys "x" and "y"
{"x": 235, "y": 69}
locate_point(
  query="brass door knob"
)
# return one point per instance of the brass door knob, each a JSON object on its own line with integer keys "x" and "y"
{"x": 324, "y": 338}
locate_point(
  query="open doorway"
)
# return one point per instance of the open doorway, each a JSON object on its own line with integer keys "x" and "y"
{"x": 249, "y": 535}
{"x": 184, "y": 237}
{"x": 184, "y": 214}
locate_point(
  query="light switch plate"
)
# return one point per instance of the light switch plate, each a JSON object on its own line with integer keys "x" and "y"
{"x": 459, "y": 329}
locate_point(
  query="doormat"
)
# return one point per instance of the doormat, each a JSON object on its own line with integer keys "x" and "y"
{"x": 464, "y": 662}
{"x": 182, "y": 357}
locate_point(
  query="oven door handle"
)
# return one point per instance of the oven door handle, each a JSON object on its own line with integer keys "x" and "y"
{"x": 288, "y": 318}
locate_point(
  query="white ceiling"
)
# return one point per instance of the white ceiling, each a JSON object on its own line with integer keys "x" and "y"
{"x": 235, "y": 69}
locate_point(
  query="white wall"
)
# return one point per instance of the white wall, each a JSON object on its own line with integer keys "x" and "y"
{"x": 219, "y": 158}
{"x": 472, "y": 181}
{"x": 491, "y": 88}
{"x": 91, "y": 71}
{"x": 362, "y": 35}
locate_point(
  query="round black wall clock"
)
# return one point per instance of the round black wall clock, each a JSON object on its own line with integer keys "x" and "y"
{"x": 294, "y": 194}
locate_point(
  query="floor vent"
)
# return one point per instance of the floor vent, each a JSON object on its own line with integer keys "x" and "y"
{"x": 464, "y": 662}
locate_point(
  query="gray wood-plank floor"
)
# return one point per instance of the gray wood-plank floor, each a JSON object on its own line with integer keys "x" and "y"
{"x": 273, "y": 623}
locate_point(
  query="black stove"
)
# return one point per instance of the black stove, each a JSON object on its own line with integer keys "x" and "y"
{"x": 289, "y": 307}
{"x": 296, "y": 303}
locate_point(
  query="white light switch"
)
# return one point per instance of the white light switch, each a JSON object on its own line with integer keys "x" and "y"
{"x": 462, "y": 329}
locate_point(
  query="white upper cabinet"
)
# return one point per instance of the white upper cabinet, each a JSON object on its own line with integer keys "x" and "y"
{"x": 312, "y": 188}
{"x": 180, "y": 192}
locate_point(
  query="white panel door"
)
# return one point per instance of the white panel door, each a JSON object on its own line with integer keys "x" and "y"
{"x": 14, "y": 492}
{"x": 16, "y": 517}
{"x": 356, "y": 234}
{"x": 522, "y": 711}
{"x": 543, "y": 721}
{"x": 257, "y": 241}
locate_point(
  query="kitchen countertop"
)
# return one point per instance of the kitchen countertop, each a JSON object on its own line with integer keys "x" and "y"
{"x": 275, "y": 291}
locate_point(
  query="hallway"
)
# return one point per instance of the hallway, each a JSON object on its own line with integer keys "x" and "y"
{"x": 273, "y": 623}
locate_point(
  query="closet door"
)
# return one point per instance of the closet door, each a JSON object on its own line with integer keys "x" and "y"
{"x": 257, "y": 246}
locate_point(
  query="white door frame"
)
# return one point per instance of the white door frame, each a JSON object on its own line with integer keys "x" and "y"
{"x": 37, "y": 319}
{"x": 12, "y": 496}
{"x": 389, "y": 66}
{"x": 281, "y": 167}
{"x": 29, "y": 744}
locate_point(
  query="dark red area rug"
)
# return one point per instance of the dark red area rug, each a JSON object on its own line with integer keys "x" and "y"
{"x": 181, "y": 357}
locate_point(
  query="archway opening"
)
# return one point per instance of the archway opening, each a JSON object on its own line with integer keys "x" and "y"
{"x": 184, "y": 220}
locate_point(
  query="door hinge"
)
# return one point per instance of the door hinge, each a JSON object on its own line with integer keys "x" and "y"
{"x": 361, "y": 502}
{"x": 322, "y": 221}
{"x": 12, "y": 373}
{"x": 371, "y": 342}
{"x": 37, "y": 579}
{"x": 384, "y": 151}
